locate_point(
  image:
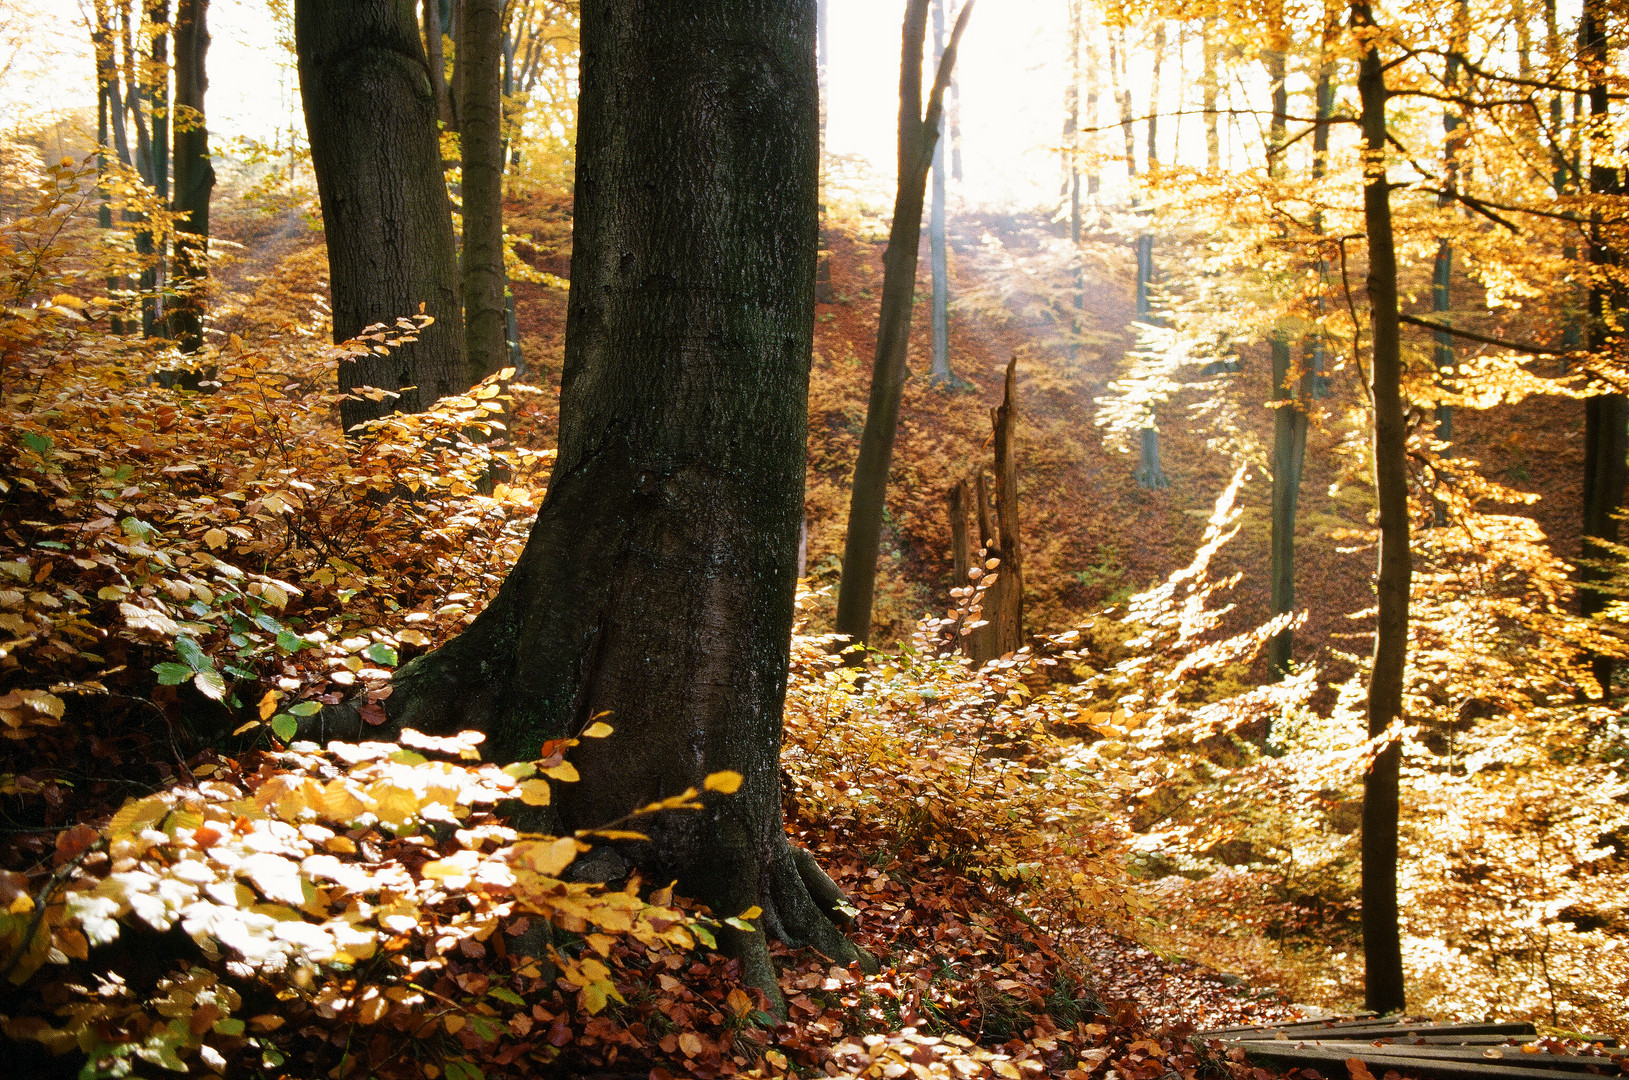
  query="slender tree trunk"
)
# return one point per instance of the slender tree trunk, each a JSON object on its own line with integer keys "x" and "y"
{"x": 1289, "y": 414}
{"x": 455, "y": 91}
{"x": 938, "y": 255}
{"x": 370, "y": 113}
{"x": 194, "y": 174}
{"x": 156, "y": 90}
{"x": 658, "y": 580}
{"x": 481, "y": 155}
{"x": 1605, "y": 415}
{"x": 1094, "y": 80}
{"x": 918, "y": 134}
{"x": 1154, "y": 97}
{"x": 110, "y": 117}
{"x": 134, "y": 96}
{"x": 824, "y": 293}
{"x": 1382, "y": 947}
{"x": 436, "y": 61}
{"x": 1316, "y": 382}
{"x": 1213, "y": 135}
{"x": 1442, "y": 269}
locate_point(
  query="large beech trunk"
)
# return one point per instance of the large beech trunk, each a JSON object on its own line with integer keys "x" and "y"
{"x": 657, "y": 584}
{"x": 1382, "y": 947}
{"x": 194, "y": 175}
{"x": 371, "y": 117}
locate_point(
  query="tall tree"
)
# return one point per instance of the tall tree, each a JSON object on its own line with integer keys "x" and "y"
{"x": 481, "y": 155}
{"x": 657, "y": 584}
{"x": 918, "y": 135}
{"x": 371, "y": 119}
{"x": 1289, "y": 414}
{"x": 194, "y": 175}
{"x": 436, "y": 59}
{"x": 1382, "y": 946}
{"x": 1605, "y": 415}
{"x": 938, "y": 255}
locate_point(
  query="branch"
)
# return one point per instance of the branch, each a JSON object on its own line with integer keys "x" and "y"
{"x": 1518, "y": 346}
{"x": 941, "y": 81}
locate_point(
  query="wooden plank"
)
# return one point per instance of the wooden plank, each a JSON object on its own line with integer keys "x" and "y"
{"x": 1332, "y": 1062}
{"x": 1509, "y": 1055}
{"x": 1347, "y": 1018}
{"x": 1377, "y": 1031}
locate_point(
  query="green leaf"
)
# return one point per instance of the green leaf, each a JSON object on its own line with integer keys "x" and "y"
{"x": 408, "y": 757}
{"x": 306, "y": 708}
{"x": 288, "y": 642}
{"x": 269, "y": 624}
{"x": 172, "y": 674}
{"x": 380, "y": 653}
{"x": 503, "y": 993}
{"x": 210, "y": 684}
{"x": 37, "y": 443}
{"x": 703, "y": 935}
{"x": 284, "y": 726}
{"x": 192, "y": 654}
{"x": 487, "y": 1028}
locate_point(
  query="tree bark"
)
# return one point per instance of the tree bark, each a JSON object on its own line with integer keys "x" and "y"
{"x": 370, "y": 115}
{"x": 194, "y": 175}
{"x": 1289, "y": 414}
{"x": 1605, "y": 415}
{"x": 938, "y": 256}
{"x": 436, "y": 60}
{"x": 1003, "y": 603}
{"x": 1382, "y": 947}
{"x": 1213, "y": 135}
{"x": 481, "y": 155}
{"x": 961, "y": 554}
{"x": 918, "y": 134}
{"x": 658, "y": 580}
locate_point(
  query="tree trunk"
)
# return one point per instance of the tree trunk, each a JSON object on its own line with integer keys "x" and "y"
{"x": 1382, "y": 948}
{"x": 1154, "y": 97}
{"x": 134, "y": 95}
{"x": 937, "y": 254}
{"x": 1605, "y": 415}
{"x": 436, "y": 60}
{"x": 961, "y": 553}
{"x": 194, "y": 175}
{"x": 658, "y": 580}
{"x": 1213, "y": 135}
{"x": 156, "y": 90}
{"x": 110, "y": 123}
{"x": 918, "y": 134}
{"x": 1003, "y": 603}
{"x": 824, "y": 294}
{"x": 1094, "y": 79}
{"x": 454, "y": 22}
{"x": 1289, "y": 414}
{"x": 481, "y": 155}
{"x": 1316, "y": 383}
{"x": 370, "y": 115}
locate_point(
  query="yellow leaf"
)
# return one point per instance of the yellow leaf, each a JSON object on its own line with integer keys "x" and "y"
{"x": 216, "y": 538}
{"x": 412, "y": 637}
{"x": 564, "y": 771}
{"x": 338, "y": 803}
{"x": 726, "y": 782}
{"x": 395, "y": 805}
{"x": 453, "y": 1023}
{"x": 268, "y": 703}
{"x": 546, "y": 857}
{"x": 373, "y": 1010}
{"x": 534, "y": 792}
{"x": 599, "y": 729}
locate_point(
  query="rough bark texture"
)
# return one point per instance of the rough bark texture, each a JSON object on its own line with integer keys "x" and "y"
{"x": 1605, "y": 415}
{"x": 657, "y": 583}
{"x": 194, "y": 175}
{"x": 436, "y": 59}
{"x": 481, "y": 155}
{"x": 1003, "y": 612}
{"x": 961, "y": 554}
{"x": 1382, "y": 948}
{"x": 918, "y": 135}
{"x": 371, "y": 117}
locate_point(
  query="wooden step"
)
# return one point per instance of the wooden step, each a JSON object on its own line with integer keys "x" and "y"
{"x": 1332, "y": 1062}
{"x": 1368, "y": 1031}
{"x": 1509, "y": 1056}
